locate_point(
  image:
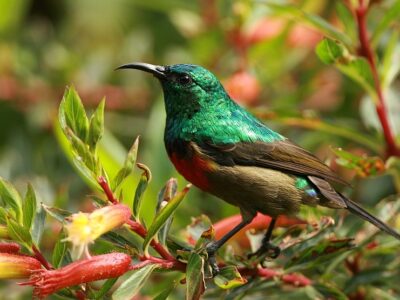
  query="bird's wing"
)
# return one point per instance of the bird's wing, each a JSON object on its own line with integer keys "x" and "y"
{"x": 280, "y": 155}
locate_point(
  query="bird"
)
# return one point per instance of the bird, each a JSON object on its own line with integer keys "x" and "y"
{"x": 224, "y": 150}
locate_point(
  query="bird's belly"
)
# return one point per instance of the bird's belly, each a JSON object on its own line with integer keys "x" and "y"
{"x": 256, "y": 189}
{"x": 194, "y": 169}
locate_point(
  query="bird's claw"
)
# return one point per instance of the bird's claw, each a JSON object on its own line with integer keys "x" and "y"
{"x": 267, "y": 250}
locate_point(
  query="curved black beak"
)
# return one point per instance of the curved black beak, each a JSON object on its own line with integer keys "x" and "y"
{"x": 157, "y": 71}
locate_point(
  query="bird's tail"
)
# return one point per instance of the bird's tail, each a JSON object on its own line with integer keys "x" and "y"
{"x": 361, "y": 212}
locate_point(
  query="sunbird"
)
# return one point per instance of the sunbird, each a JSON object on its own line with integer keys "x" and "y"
{"x": 224, "y": 150}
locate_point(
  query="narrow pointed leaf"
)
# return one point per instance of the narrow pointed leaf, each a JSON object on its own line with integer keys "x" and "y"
{"x": 391, "y": 15}
{"x": 29, "y": 207}
{"x": 3, "y": 215}
{"x": 72, "y": 114}
{"x": 195, "y": 285}
{"x": 38, "y": 225}
{"x": 140, "y": 189}
{"x": 96, "y": 125}
{"x": 127, "y": 167}
{"x": 59, "y": 251}
{"x": 164, "y": 294}
{"x": 130, "y": 287}
{"x": 163, "y": 216}
{"x": 164, "y": 196}
{"x": 11, "y": 198}
{"x": 348, "y": 20}
{"x": 229, "y": 278}
{"x": 57, "y": 213}
{"x": 105, "y": 288}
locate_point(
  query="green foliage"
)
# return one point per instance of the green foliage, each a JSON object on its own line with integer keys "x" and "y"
{"x": 135, "y": 281}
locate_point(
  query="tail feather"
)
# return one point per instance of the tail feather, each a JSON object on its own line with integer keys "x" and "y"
{"x": 361, "y": 212}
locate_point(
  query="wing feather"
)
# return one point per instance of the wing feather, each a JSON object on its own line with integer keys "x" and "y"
{"x": 280, "y": 155}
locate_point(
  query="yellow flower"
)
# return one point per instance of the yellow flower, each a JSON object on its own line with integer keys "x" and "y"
{"x": 85, "y": 228}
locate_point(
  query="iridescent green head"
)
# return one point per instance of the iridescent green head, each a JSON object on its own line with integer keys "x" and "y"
{"x": 187, "y": 88}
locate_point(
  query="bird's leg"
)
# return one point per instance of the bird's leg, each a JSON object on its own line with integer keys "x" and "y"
{"x": 213, "y": 247}
{"x": 266, "y": 246}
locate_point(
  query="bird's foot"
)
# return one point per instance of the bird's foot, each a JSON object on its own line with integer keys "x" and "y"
{"x": 212, "y": 261}
{"x": 267, "y": 250}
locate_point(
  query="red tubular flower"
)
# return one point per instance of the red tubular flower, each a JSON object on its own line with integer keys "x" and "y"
{"x": 14, "y": 266}
{"x": 98, "y": 267}
{"x": 10, "y": 247}
{"x": 259, "y": 222}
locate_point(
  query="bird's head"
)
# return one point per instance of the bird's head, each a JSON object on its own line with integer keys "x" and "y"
{"x": 187, "y": 88}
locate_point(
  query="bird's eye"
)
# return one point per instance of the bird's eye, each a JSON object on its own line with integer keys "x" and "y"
{"x": 184, "y": 79}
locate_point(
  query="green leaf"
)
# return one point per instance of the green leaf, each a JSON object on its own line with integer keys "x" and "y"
{"x": 29, "y": 207}
{"x": 330, "y": 51}
{"x": 78, "y": 165}
{"x": 229, "y": 277}
{"x": 359, "y": 70}
{"x": 390, "y": 66}
{"x": 140, "y": 189}
{"x": 164, "y": 196}
{"x": 195, "y": 284}
{"x": 60, "y": 248}
{"x": 38, "y": 225}
{"x": 134, "y": 283}
{"x": 313, "y": 21}
{"x": 347, "y": 19}
{"x": 83, "y": 155}
{"x": 72, "y": 114}
{"x": 162, "y": 217}
{"x": 3, "y": 215}
{"x": 164, "y": 294}
{"x": 57, "y": 213}
{"x": 127, "y": 167}
{"x": 19, "y": 233}
{"x": 392, "y": 14}
{"x": 11, "y": 197}
{"x": 105, "y": 288}
{"x": 96, "y": 126}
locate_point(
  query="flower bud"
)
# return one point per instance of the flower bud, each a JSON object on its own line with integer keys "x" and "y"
{"x": 99, "y": 267}
{"x": 85, "y": 228}
{"x": 14, "y": 266}
{"x": 9, "y": 247}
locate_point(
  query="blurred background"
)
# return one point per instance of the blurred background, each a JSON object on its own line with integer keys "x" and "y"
{"x": 266, "y": 62}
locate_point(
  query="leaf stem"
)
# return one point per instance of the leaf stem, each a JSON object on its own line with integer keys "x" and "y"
{"x": 365, "y": 50}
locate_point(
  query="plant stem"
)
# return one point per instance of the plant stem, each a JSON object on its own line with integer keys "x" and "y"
{"x": 365, "y": 50}
{"x": 39, "y": 256}
{"x": 135, "y": 226}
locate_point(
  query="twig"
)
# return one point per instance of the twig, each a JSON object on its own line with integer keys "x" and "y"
{"x": 366, "y": 51}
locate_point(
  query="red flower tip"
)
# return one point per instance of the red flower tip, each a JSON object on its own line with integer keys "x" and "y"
{"x": 98, "y": 267}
